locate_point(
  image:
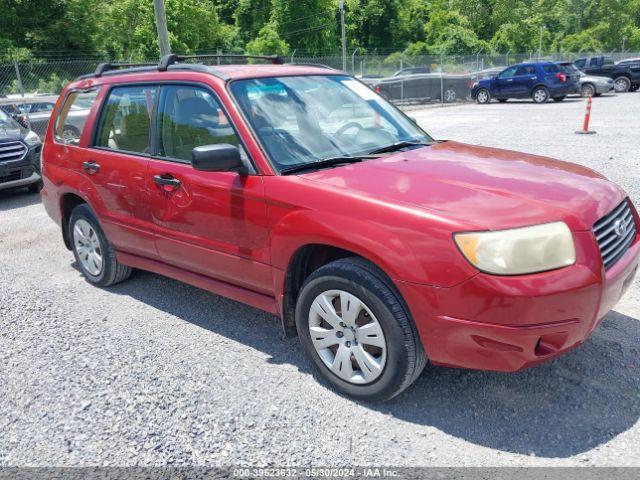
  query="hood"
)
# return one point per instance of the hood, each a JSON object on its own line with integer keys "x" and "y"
{"x": 479, "y": 187}
{"x": 10, "y": 132}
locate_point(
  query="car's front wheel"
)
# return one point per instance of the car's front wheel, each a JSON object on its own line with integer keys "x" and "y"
{"x": 483, "y": 96}
{"x": 355, "y": 328}
{"x": 587, "y": 90}
{"x": 96, "y": 257}
{"x": 540, "y": 95}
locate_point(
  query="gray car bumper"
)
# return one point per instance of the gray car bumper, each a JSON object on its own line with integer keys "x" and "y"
{"x": 23, "y": 182}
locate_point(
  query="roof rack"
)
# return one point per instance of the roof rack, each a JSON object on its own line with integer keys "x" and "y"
{"x": 172, "y": 58}
{"x": 318, "y": 65}
{"x": 105, "y": 67}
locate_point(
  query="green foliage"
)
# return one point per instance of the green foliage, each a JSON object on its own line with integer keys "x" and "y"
{"x": 125, "y": 29}
{"x": 268, "y": 42}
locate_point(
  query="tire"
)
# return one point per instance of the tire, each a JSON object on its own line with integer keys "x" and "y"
{"x": 397, "y": 364}
{"x": 559, "y": 99}
{"x": 483, "y": 96}
{"x": 109, "y": 271}
{"x": 588, "y": 90}
{"x": 621, "y": 84}
{"x": 36, "y": 187}
{"x": 71, "y": 135}
{"x": 540, "y": 95}
{"x": 502, "y": 100}
{"x": 450, "y": 95}
{"x": 634, "y": 88}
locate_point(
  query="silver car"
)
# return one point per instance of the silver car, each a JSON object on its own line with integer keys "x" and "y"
{"x": 590, "y": 85}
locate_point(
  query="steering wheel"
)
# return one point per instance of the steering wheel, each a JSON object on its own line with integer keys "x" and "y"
{"x": 341, "y": 131}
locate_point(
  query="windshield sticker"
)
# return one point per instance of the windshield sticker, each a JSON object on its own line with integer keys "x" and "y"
{"x": 360, "y": 89}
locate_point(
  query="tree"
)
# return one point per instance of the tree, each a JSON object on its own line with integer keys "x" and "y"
{"x": 268, "y": 42}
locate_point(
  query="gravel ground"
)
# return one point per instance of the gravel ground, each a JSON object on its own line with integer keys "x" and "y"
{"x": 154, "y": 371}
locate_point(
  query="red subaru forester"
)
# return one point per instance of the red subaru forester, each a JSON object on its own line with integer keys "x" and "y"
{"x": 300, "y": 191}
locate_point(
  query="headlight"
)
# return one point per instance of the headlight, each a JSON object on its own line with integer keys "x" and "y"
{"x": 519, "y": 251}
{"x": 32, "y": 139}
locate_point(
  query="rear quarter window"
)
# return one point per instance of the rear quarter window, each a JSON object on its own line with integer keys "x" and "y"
{"x": 73, "y": 116}
{"x": 550, "y": 68}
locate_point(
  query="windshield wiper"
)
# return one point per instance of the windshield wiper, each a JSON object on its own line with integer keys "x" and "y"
{"x": 398, "y": 145}
{"x": 325, "y": 162}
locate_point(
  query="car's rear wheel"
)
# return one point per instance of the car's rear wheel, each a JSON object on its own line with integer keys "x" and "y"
{"x": 483, "y": 96}
{"x": 622, "y": 84}
{"x": 450, "y": 95}
{"x": 559, "y": 99}
{"x": 95, "y": 255}
{"x": 355, "y": 328}
{"x": 634, "y": 88}
{"x": 587, "y": 90}
{"x": 540, "y": 95}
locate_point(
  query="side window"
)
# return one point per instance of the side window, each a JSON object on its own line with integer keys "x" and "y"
{"x": 190, "y": 117}
{"x": 125, "y": 121}
{"x": 526, "y": 70}
{"x": 509, "y": 72}
{"x": 551, "y": 68}
{"x": 71, "y": 119}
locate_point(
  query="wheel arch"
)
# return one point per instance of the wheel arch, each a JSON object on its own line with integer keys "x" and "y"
{"x": 68, "y": 201}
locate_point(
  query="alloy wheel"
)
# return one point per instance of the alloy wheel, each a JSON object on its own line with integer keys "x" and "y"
{"x": 588, "y": 90}
{"x": 483, "y": 96}
{"x": 621, "y": 85}
{"x": 450, "y": 95}
{"x": 347, "y": 337}
{"x": 87, "y": 246}
{"x": 540, "y": 95}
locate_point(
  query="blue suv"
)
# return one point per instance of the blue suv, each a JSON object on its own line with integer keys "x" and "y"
{"x": 538, "y": 81}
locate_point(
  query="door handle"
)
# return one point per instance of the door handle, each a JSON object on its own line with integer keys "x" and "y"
{"x": 510, "y": 80}
{"x": 167, "y": 182}
{"x": 90, "y": 167}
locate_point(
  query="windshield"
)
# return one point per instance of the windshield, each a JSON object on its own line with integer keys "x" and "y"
{"x": 304, "y": 119}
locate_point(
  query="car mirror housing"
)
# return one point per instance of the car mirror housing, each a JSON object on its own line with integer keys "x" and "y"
{"x": 221, "y": 157}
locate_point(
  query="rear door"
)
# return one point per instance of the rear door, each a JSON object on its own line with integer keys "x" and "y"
{"x": 523, "y": 81}
{"x": 117, "y": 163}
{"x": 211, "y": 223}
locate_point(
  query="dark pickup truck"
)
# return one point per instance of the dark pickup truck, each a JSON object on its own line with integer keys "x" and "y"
{"x": 626, "y": 76}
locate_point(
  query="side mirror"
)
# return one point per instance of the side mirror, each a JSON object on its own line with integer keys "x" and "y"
{"x": 220, "y": 157}
{"x": 414, "y": 120}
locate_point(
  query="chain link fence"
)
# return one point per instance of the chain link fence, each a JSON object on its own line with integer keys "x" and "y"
{"x": 400, "y": 78}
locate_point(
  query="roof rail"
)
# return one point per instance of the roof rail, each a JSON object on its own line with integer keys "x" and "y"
{"x": 172, "y": 58}
{"x": 105, "y": 67}
{"x": 318, "y": 65}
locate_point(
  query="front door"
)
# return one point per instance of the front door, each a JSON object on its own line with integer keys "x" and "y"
{"x": 504, "y": 83}
{"x": 211, "y": 223}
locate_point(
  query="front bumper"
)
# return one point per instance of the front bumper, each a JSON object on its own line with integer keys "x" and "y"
{"x": 20, "y": 173}
{"x": 604, "y": 87}
{"x": 510, "y": 323}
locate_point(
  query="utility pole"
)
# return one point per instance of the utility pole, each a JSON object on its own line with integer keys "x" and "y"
{"x": 344, "y": 39}
{"x": 161, "y": 26}
{"x": 540, "y": 45}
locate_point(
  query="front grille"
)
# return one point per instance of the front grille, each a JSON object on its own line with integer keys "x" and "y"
{"x": 12, "y": 151}
{"x": 615, "y": 233}
{"x": 11, "y": 176}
